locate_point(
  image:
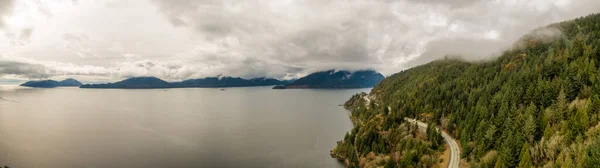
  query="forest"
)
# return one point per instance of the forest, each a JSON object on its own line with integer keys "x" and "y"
{"x": 536, "y": 105}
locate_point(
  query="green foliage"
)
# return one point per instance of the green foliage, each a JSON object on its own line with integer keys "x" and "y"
{"x": 544, "y": 92}
{"x": 593, "y": 154}
{"x": 434, "y": 136}
{"x": 525, "y": 158}
{"x": 415, "y": 152}
{"x": 389, "y": 164}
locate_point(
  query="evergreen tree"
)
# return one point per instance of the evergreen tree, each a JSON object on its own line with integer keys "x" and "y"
{"x": 592, "y": 152}
{"x": 525, "y": 158}
{"x": 532, "y": 94}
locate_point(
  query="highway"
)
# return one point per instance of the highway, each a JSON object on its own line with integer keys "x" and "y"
{"x": 454, "y": 149}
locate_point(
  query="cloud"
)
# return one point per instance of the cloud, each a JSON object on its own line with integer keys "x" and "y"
{"x": 82, "y": 45}
{"x": 6, "y": 7}
{"x": 25, "y": 34}
{"x": 453, "y": 4}
{"x": 285, "y": 36}
{"x": 70, "y": 69}
{"x": 20, "y": 39}
{"x": 24, "y": 70}
{"x": 177, "y": 40}
{"x": 42, "y": 7}
{"x": 387, "y": 35}
{"x": 27, "y": 69}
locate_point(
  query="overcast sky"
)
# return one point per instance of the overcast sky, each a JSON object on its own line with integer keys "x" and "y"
{"x": 107, "y": 40}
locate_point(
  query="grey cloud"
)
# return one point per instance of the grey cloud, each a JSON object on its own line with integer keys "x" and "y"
{"x": 21, "y": 38}
{"x": 451, "y": 3}
{"x": 45, "y": 70}
{"x": 73, "y": 38}
{"x": 285, "y": 39}
{"x": 543, "y": 35}
{"x": 6, "y": 7}
{"x": 386, "y": 35}
{"x": 178, "y": 22}
{"x": 459, "y": 47}
{"x": 42, "y": 7}
{"x": 270, "y": 39}
{"x": 330, "y": 44}
{"x": 252, "y": 67}
{"x": 26, "y": 70}
{"x": 85, "y": 47}
{"x": 24, "y": 35}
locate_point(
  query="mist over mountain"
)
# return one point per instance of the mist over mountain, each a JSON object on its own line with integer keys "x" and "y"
{"x": 537, "y": 105}
{"x": 336, "y": 79}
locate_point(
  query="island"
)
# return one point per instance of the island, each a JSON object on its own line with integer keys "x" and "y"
{"x": 133, "y": 83}
{"x": 336, "y": 79}
{"x": 208, "y": 82}
{"x": 70, "y": 82}
{"x": 226, "y": 81}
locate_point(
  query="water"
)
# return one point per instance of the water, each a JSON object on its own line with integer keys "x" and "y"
{"x": 192, "y": 127}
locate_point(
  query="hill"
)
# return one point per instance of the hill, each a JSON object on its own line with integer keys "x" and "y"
{"x": 537, "y": 105}
{"x": 69, "y": 82}
{"x": 52, "y": 83}
{"x": 133, "y": 83}
{"x": 209, "y": 82}
{"x": 229, "y": 82}
{"x": 336, "y": 79}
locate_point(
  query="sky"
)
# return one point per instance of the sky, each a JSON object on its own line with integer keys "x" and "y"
{"x": 109, "y": 40}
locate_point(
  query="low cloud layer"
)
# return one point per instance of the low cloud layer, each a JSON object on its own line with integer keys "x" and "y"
{"x": 23, "y": 70}
{"x": 175, "y": 40}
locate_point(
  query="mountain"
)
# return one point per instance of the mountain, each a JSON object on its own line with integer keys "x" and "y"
{"x": 220, "y": 81}
{"x": 52, "y": 83}
{"x": 336, "y": 79}
{"x": 537, "y": 105}
{"x": 134, "y": 83}
{"x": 70, "y": 82}
{"x": 41, "y": 84}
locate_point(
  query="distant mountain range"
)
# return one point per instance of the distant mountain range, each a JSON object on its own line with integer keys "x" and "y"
{"x": 133, "y": 83}
{"x": 52, "y": 83}
{"x": 325, "y": 79}
{"x": 334, "y": 79}
{"x": 230, "y": 82}
{"x": 208, "y": 82}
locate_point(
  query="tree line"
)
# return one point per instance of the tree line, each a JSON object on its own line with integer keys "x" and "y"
{"x": 537, "y": 105}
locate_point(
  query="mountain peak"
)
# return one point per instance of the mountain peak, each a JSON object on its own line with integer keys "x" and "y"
{"x": 70, "y": 82}
{"x": 52, "y": 83}
{"x": 335, "y": 78}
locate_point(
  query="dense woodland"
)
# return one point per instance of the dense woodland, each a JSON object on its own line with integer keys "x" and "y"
{"x": 537, "y": 105}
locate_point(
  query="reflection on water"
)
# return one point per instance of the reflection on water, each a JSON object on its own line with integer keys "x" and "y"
{"x": 192, "y": 127}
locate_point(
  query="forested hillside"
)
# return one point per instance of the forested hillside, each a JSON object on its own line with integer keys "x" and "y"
{"x": 537, "y": 105}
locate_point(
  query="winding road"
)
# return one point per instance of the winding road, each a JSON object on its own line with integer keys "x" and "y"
{"x": 454, "y": 149}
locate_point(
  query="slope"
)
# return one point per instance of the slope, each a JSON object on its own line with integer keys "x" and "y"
{"x": 536, "y": 105}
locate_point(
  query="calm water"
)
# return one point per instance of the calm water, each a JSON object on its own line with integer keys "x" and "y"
{"x": 195, "y": 127}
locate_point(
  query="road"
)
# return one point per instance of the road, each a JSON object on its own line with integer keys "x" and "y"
{"x": 454, "y": 149}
